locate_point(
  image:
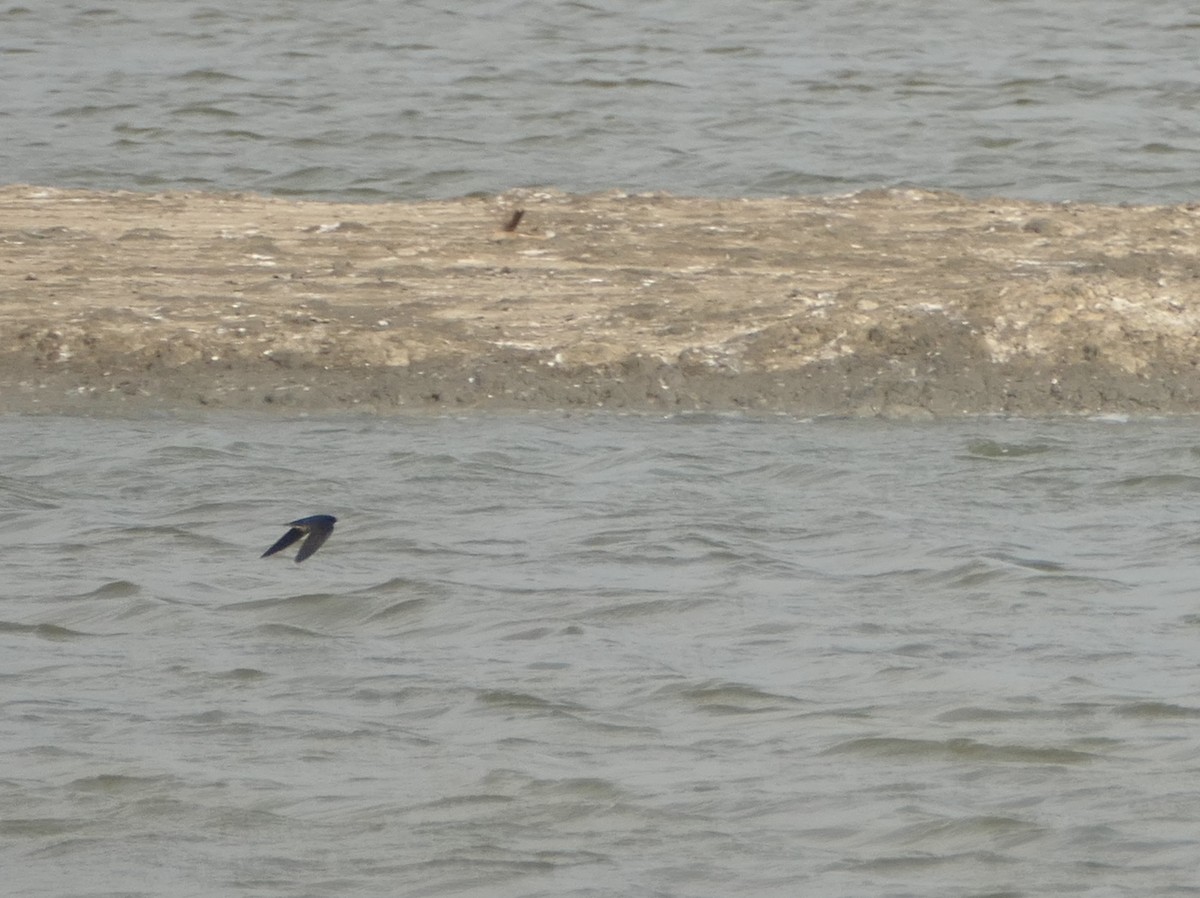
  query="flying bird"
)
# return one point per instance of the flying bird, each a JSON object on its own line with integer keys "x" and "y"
{"x": 316, "y": 527}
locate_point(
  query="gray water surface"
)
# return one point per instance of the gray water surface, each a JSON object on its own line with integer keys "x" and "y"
{"x": 370, "y": 100}
{"x": 582, "y": 656}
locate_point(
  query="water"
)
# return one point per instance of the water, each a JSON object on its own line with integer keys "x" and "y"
{"x": 599, "y": 656}
{"x": 367, "y": 100}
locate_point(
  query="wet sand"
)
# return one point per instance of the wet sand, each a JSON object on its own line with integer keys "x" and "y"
{"x": 896, "y": 303}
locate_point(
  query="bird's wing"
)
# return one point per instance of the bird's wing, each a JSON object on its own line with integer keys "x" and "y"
{"x": 286, "y": 540}
{"x": 316, "y": 538}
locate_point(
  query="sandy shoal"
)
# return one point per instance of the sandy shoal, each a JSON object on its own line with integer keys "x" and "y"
{"x": 900, "y": 303}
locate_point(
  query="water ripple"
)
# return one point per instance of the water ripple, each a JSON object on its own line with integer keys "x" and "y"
{"x": 480, "y": 101}
{"x": 912, "y": 666}
{"x": 960, "y": 749}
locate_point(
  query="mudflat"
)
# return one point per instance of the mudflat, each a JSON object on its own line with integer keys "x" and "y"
{"x": 892, "y": 302}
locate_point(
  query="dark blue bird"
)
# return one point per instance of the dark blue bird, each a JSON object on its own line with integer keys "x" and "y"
{"x": 317, "y": 528}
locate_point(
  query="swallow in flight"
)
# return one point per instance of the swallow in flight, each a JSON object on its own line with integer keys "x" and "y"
{"x": 317, "y": 528}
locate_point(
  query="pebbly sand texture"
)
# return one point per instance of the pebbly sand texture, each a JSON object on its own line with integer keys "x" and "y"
{"x": 898, "y": 303}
